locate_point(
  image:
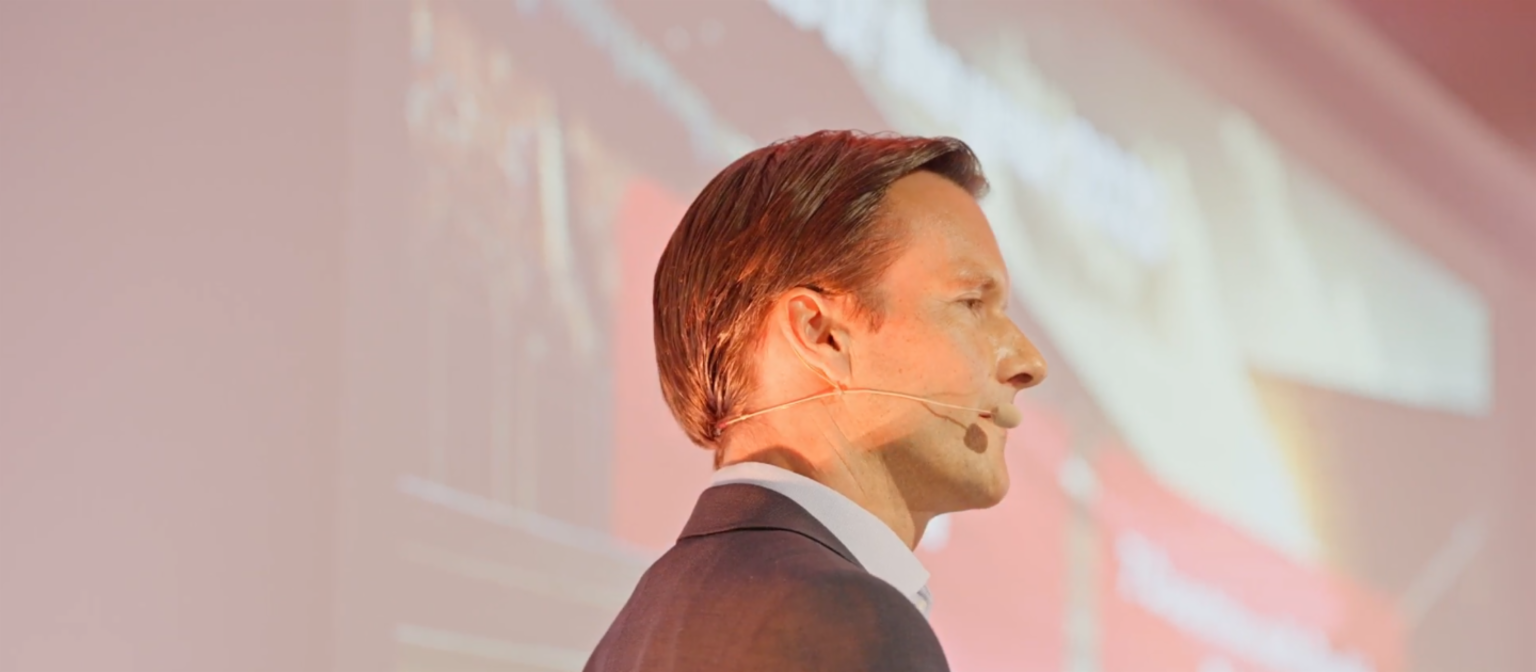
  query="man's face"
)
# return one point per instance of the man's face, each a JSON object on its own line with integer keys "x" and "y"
{"x": 945, "y": 335}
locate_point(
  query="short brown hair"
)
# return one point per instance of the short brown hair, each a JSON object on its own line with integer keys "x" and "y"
{"x": 801, "y": 212}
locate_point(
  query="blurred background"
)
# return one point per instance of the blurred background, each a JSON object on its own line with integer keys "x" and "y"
{"x": 325, "y": 332}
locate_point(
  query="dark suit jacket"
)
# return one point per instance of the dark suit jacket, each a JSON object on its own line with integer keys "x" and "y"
{"x": 756, "y": 583}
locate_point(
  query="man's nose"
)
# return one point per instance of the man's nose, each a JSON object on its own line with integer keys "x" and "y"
{"x": 1023, "y": 367}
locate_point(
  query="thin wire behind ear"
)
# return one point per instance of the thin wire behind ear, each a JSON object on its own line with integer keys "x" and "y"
{"x": 818, "y": 372}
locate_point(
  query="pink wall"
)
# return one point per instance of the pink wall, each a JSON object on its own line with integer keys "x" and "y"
{"x": 171, "y": 222}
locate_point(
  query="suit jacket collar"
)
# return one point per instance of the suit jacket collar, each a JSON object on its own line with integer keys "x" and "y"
{"x": 742, "y": 506}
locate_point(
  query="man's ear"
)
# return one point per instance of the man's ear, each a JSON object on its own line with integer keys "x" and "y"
{"x": 816, "y": 327}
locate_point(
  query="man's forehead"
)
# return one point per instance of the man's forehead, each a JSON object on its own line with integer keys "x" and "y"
{"x": 975, "y": 274}
{"x": 951, "y": 257}
{"x": 947, "y": 233}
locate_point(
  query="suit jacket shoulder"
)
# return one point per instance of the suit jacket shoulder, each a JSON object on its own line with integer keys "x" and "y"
{"x": 756, "y": 583}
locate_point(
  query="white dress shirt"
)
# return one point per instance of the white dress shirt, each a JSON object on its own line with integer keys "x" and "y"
{"x": 871, "y": 541}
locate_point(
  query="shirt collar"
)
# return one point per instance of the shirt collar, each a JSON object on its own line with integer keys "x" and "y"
{"x": 871, "y": 541}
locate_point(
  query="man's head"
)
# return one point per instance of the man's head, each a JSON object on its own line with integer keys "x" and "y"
{"x": 840, "y": 259}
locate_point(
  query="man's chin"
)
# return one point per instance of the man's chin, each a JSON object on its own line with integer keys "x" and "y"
{"x": 989, "y": 493}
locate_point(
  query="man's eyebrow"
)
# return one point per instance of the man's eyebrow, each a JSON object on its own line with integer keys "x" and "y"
{"x": 976, "y": 280}
{"x": 985, "y": 283}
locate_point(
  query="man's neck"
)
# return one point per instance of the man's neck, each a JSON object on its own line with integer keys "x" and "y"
{"x": 858, "y": 476}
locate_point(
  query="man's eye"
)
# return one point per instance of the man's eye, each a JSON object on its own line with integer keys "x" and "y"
{"x": 974, "y": 304}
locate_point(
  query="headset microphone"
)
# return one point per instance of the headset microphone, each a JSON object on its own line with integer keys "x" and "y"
{"x": 1004, "y": 415}
{"x": 1007, "y": 416}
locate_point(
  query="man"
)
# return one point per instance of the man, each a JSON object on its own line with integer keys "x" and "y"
{"x": 830, "y": 321}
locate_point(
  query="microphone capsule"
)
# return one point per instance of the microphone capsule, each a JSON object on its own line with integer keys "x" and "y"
{"x": 1007, "y": 416}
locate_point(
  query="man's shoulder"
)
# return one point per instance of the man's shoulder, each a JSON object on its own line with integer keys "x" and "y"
{"x": 803, "y": 568}
{"x": 841, "y": 617}
{"x": 758, "y": 556}
{"x": 848, "y": 599}
{"x": 769, "y": 599}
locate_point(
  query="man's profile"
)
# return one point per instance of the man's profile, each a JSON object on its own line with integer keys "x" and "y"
{"x": 830, "y": 320}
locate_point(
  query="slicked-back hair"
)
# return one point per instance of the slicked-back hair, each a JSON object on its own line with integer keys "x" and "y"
{"x": 802, "y": 212}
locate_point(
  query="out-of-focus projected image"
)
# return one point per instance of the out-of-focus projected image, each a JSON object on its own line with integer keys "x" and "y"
{"x": 1234, "y": 339}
